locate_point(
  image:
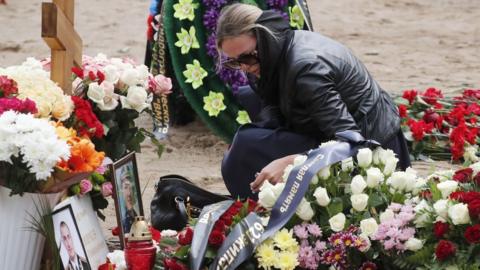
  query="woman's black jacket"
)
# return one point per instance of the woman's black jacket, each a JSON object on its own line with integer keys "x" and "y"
{"x": 319, "y": 85}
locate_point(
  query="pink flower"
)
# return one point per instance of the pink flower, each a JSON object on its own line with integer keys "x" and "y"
{"x": 160, "y": 84}
{"x": 107, "y": 189}
{"x": 314, "y": 230}
{"x": 85, "y": 186}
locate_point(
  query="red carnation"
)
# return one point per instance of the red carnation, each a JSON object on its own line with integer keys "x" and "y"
{"x": 440, "y": 229}
{"x": 472, "y": 234}
{"x": 471, "y": 93}
{"x": 116, "y": 231}
{"x": 431, "y": 95}
{"x": 410, "y": 95}
{"x": 419, "y": 128}
{"x": 445, "y": 249}
{"x": 368, "y": 266}
{"x": 476, "y": 179}
{"x": 173, "y": 264}
{"x": 216, "y": 238}
{"x": 185, "y": 237}
{"x": 91, "y": 75}
{"x": 463, "y": 175}
{"x": 78, "y": 71}
{"x": 8, "y": 87}
{"x": 219, "y": 225}
{"x": 101, "y": 77}
{"x": 474, "y": 208}
{"x": 402, "y": 110}
{"x": 107, "y": 266}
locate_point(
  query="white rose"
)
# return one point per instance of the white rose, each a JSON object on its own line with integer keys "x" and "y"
{"x": 337, "y": 222}
{"x": 324, "y": 173}
{"x": 459, "y": 214}
{"x": 441, "y": 208}
{"x": 266, "y": 196}
{"x": 321, "y": 195}
{"x": 299, "y": 159}
{"x": 422, "y": 211}
{"x": 390, "y": 165}
{"x": 374, "y": 177}
{"x": 305, "y": 211}
{"x": 278, "y": 188}
{"x": 287, "y": 171}
{"x": 447, "y": 187}
{"x": 386, "y": 154}
{"x": 397, "y": 181}
{"x": 110, "y": 101}
{"x": 96, "y": 93}
{"x": 475, "y": 167}
{"x": 358, "y": 184}
{"x": 130, "y": 77}
{"x": 364, "y": 157}
{"x": 359, "y": 201}
{"x": 441, "y": 176}
{"x": 387, "y": 215}
{"x": 368, "y": 226}
{"x": 143, "y": 73}
{"x": 347, "y": 164}
{"x": 470, "y": 153}
{"x": 136, "y": 99}
{"x": 414, "y": 244}
{"x": 376, "y": 155}
{"x": 314, "y": 180}
{"x": 111, "y": 73}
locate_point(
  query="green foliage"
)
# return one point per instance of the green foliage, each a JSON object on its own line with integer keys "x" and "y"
{"x": 17, "y": 177}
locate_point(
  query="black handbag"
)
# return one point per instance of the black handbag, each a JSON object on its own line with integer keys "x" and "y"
{"x": 176, "y": 200}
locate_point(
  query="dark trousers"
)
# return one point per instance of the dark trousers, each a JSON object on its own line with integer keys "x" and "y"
{"x": 255, "y": 146}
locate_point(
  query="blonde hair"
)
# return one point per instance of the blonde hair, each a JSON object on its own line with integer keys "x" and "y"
{"x": 238, "y": 19}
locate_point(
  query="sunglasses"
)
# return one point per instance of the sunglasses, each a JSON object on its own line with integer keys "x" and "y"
{"x": 245, "y": 59}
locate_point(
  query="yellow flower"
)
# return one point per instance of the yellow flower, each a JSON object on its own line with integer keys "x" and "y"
{"x": 266, "y": 255}
{"x": 296, "y": 17}
{"x": 243, "y": 118}
{"x": 214, "y": 103}
{"x": 187, "y": 40}
{"x": 284, "y": 240}
{"x": 286, "y": 260}
{"x": 185, "y": 9}
{"x": 195, "y": 74}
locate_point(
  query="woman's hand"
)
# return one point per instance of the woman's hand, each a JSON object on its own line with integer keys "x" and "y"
{"x": 273, "y": 172}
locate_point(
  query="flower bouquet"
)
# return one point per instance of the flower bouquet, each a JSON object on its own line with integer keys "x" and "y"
{"x": 441, "y": 128}
{"x": 109, "y": 95}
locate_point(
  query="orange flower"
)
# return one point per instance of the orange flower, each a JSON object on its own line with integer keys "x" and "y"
{"x": 84, "y": 157}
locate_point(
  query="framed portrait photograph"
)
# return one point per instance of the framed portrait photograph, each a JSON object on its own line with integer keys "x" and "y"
{"x": 69, "y": 240}
{"x": 127, "y": 193}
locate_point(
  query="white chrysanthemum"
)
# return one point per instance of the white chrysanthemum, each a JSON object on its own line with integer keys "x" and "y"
{"x": 36, "y": 141}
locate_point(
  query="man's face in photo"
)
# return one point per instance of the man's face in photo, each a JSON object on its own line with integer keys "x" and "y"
{"x": 67, "y": 240}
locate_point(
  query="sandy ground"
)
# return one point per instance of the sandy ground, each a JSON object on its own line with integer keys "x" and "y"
{"x": 405, "y": 44}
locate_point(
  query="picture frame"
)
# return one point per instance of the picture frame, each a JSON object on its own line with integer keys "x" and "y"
{"x": 69, "y": 239}
{"x": 126, "y": 193}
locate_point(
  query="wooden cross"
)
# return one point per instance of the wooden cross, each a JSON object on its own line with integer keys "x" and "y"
{"x": 66, "y": 45}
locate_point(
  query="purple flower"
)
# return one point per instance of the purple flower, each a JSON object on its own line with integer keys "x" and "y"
{"x": 217, "y": 4}
{"x": 277, "y": 4}
{"x": 314, "y": 230}
{"x": 300, "y": 231}
{"x": 210, "y": 19}
{"x": 308, "y": 257}
{"x": 320, "y": 245}
{"x": 212, "y": 46}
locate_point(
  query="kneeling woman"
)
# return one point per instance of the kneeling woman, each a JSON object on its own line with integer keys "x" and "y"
{"x": 310, "y": 87}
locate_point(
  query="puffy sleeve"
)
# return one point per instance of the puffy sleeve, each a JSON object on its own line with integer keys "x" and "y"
{"x": 315, "y": 90}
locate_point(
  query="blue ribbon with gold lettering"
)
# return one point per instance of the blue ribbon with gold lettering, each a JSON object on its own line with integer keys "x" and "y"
{"x": 209, "y": 215}
{"x": 231, "y": 253}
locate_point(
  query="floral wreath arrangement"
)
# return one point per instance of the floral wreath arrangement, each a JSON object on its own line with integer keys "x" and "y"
{"x": 189, "y": 27}
{"x": 359, "y": 213}
{"x": 439, "y": 127}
